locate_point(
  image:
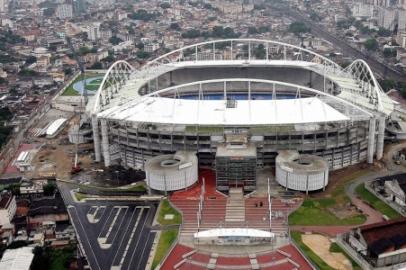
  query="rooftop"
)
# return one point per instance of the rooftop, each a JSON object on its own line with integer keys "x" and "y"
{"x": 162, "y": 110}
{"x": 17, "y": 259}
{"x": 54, "y": 127}
{"x": 385, "y": 235}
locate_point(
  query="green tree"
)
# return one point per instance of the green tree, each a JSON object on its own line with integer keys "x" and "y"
{"x": 165, "y": 5}
{"x": 264, "y": 29}
{"x": 97, "y": 65}
{"x": 30, "y": 60}
{"x": 298, "y": 28}
{"x": 371, "y": 44}
{"x": 49, "y": 189}
{"x": 3, "y": 81}
{"x": 175, "y": 26}
{"x": 260, "y": 52}
{"x": 191, "y": 33}
{"x": 384, "y": 32}
{"x": 27, "y": 72}
{"x": 115, "y": 40}
{"x": 143, "y": 54}
{"x": 252, "y": 30}
{"x": 389, "y": 53}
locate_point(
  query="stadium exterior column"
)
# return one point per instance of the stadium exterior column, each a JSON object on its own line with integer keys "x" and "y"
{"x": 96, "y": 138}
{"x": 105, "y": 142}
{"x": 381, "y": 138}
{"x": 371, "y": 140}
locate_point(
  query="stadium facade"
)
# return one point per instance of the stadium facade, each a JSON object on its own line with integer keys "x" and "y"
{"x": 236, "y": 103}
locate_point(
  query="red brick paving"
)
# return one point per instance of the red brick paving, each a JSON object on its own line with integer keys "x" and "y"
{"x": 175, "y": 256}
{"x": 233, "y": 261}
{"x": 273, "y": 260}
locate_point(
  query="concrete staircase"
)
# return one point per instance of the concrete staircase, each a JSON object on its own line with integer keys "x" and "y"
{"x": 235, "y": 208}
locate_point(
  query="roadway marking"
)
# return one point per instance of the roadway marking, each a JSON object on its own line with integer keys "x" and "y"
{"x": 119, "y": 227}
{"x": 105, "y": 222}
{"x": 131, "y": 238}
{"x": 85, "y": 235}
{"x": 143, "y": 250}
{"x": 122, "y": 239}
{"x": 102, "y": 240}
{"x": 136, "y": 246}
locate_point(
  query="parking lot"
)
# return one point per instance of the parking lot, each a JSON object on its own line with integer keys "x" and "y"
{"x": 114, "y": 235}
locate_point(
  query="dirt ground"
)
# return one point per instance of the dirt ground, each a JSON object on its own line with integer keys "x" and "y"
{"x": 56, "y": 156}
{"x": 320, "y": 245}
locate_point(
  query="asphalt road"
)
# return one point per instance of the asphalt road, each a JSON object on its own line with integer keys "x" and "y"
{"x": 120, "y": 238}
{"x": 383, "y": 70}
{"x": 114, "y": 235}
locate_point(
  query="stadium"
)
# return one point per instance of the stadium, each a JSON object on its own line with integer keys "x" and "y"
{"x": 236, "y": 104}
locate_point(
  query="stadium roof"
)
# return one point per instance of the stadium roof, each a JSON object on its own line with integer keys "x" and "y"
{"x": 163, "y": 110}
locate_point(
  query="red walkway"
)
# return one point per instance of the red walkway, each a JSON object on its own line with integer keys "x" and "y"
{"x": 284, "y": 258}
{"x": 187, "y": 202}
{"x": 214, "y": 208}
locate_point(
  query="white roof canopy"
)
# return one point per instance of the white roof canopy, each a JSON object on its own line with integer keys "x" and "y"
{"x": 55, "y": 126}
{"x": 235, "y": 232}
{"x": 163, "y": 110}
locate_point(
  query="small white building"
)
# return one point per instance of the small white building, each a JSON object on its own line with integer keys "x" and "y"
{"x": 151, "y": 47}
{"x": 8, "y": 208}
{"x": 32, "y": 187}
{"x": 64, "y": 11}
{"x": 23, "y": 161}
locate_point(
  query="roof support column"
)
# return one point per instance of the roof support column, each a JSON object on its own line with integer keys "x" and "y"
{"x": 105, "y": 143}
{"x": 381, "y": 137}
{"x": 96, "y": 138}
{"x": 371, "y": 140}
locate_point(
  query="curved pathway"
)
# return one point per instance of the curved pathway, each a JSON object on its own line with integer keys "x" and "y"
{"x": 371, "y": 214}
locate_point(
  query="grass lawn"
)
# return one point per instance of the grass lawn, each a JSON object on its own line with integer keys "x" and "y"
{"x": 315, "y": 212}
{"x": 297, "y": 237}
{"x": 337, "y": 249}
{"x": 319, "y": 207}
{"x": 376, "y": 203}
{"x": 92, "y": 87}
{"x": 60, "y": 258}
{"x": 80, "y": 196}
{"x": 168, "y": 237}
{"x": 165, "y": 209}
{"x": 69, "y": 91}
{"x": 138, "y": 187}
{"x": 165, "y": 242}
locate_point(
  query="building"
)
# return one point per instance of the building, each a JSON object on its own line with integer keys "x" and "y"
{"x": 395, "y": 188}
{"x": 401, "y": 39}
{"x": 362, "y": 10}
{"x": 381, "y": 244}
{"x": 387, "y": 18}
{"x": 3, "y": 6}
{"x": 239, "y": 110}
{"x": 151, "y": 47}
{"x": 23, "y": 161}
{"x": 8, "y": 208}
{"x": 46, "y": 210}
{"x": 64, "y": 11}
{"x": 93, "y": 31}
{"x": 17, "y": 259}
{"x": 32, "y": 188}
